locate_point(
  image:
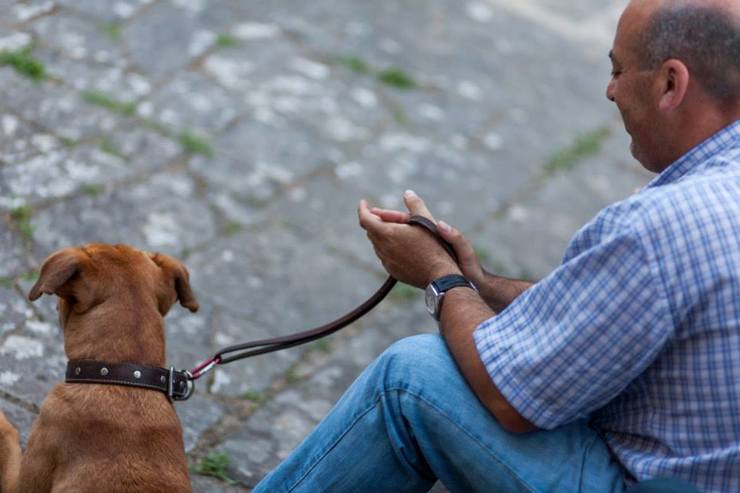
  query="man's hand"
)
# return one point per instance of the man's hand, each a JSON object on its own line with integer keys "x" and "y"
{"x": 468, "y": 261}
{"x": 408, "y": 253}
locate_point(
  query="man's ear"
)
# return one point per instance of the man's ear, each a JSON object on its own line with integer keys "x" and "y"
{"x": 57, "y": 270}
{"x": 173, "y": 269}
{"x": 674, "y": 80}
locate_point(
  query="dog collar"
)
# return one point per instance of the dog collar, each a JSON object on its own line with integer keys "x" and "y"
{"x": 177, "y": 385}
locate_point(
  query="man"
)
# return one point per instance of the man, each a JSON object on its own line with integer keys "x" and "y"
{"x": 624, "y": 363}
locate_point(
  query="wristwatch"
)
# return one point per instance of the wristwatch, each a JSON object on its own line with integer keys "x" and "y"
{"x": 436, "y": 290}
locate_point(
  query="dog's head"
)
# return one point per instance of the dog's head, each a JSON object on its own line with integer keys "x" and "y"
{"x": 97, "y": 274}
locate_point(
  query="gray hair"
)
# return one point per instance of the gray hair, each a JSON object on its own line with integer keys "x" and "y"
{"x": 706, "y": 39}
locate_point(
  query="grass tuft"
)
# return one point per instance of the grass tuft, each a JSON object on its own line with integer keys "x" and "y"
{"x": 112, "y": 29}
{"x": 109, "y": 103}
{"x": 92, "y": 189}
{"x": 233, "y": 227}
{"x": 23, "y": 63}
{"x": 291, "y": 376}
{"x": 398, "y": 114}
{"x": 254, "y": 396}
{"x": 214, "y": 465}
{"x": 195, "y": 144}
{"x": 6, "y": 282}
{"x": 322, "y": 345}
{"x": 584, "y": 146}
{"x": 107, "y": 147}
{"x": 226, "y": 41}
{"x": 396, "y": 78}
{"x": 354, "y": 64}
{"x": 482, "y": 254}
{"x": 404, "y": 293}
{"x": 21, "y": 216}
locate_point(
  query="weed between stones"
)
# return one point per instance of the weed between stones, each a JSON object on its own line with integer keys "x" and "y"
{"x": 584, "y": 146}
{"x": 226, "y": 41}
{"x": 108, "y": 148}
{"x": 404, "y": 293}
{"x": 393, "y": 76}
{"x": 21, "y": 217}
{"x": 195, "y": 144}
{"x": 113, "y": 30}
{"x": 23, "y": 63}
{"x": 254, "y": 396}
{"x": 214, "y": 465}
{"x": 92, "y": 189}
{"x": 108, "y": 102}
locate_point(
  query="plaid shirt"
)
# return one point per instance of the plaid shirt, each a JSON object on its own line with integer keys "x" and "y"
{"x": 639, "y": 328}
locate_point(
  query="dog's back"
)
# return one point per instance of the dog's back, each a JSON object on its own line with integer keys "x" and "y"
{"x": 127, "y": 439}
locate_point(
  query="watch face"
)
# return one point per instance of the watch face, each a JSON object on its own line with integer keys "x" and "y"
{"x": 430, "y": 299}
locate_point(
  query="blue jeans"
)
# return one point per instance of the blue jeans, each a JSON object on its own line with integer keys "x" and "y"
{"x": 410, "y": 419}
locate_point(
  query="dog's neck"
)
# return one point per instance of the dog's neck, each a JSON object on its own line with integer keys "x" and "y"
{"x": 115, "y": 335}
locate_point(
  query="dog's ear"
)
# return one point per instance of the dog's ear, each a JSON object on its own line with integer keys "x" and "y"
{"x": 176, "y": 275}
{"x": 57, "y": 270}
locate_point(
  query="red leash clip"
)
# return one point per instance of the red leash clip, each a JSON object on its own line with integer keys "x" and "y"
{"x": 204, "y": 367}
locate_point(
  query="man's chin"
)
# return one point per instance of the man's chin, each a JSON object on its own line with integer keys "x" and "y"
{"x": 633, "y": 150}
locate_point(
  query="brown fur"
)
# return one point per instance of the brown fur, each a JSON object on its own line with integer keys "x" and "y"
{"x": 89, "y": 437}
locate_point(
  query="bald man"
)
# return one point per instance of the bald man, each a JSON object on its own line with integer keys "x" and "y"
{"x": 621, "y": 366}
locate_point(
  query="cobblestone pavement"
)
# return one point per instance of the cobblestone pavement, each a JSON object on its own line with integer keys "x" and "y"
{"x": 240, "y": 136}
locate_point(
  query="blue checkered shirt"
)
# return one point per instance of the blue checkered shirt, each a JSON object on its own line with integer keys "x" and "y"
{"x": 638, "y": 329}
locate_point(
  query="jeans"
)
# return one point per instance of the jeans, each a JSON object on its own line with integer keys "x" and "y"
{"x": 410, "y": 419}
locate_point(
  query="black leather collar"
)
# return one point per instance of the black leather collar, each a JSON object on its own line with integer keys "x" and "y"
{"x": 177, "y": 385}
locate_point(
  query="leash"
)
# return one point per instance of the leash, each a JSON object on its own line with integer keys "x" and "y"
{"x": 253, "y": 348}
{"x": 179, "y": 385}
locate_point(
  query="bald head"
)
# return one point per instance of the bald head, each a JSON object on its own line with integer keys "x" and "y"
{"x": 703, "y": 34}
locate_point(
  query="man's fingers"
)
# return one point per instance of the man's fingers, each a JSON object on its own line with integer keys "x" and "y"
{"x": 367, "y": 218}
{"x": 415, "y": 205}
{"x": 391, "y": 216}
{"x": 463, "y": 248}
{"x": 364, "y": 215}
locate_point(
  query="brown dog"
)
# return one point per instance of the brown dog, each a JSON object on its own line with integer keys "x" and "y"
{"x": 96, "y": 437}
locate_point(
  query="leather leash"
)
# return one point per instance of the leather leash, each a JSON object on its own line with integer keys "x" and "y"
{"x": 253, "y": 348}
{"x": 179, "y": 384}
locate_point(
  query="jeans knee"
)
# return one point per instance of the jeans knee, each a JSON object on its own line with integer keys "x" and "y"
{"x": 411, "y": 360}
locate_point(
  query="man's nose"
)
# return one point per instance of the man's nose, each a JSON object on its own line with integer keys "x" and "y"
{"x": 610, "y": 90}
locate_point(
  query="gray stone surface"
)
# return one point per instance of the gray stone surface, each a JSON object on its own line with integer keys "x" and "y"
{"x": 240, "y": 137}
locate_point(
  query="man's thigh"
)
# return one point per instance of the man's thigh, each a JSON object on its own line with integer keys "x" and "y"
{"x": 466, "y": 447}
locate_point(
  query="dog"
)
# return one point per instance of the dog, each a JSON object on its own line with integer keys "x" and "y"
{"x": 99, "y": 437}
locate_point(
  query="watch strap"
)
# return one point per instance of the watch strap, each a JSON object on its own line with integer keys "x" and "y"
{"x": 445, "y": 283}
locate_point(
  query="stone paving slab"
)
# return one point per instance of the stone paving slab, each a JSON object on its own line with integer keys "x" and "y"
{"x": 53, "y": 106}
{"x": 161, "y": 216}
{"x": 77, "y": 38}
{"x": 13, "y": 261}
{"x": 21, "y": 141}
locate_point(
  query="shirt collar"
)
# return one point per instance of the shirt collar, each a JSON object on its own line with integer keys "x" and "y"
{"x": 726, "y": 138}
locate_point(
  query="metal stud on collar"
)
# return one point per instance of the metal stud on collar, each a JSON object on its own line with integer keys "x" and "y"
{"x": 137, "y": 374}
{"x": 104, "y": 371}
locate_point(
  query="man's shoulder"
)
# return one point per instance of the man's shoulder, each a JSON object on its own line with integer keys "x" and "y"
{"x": 693, "y": 203}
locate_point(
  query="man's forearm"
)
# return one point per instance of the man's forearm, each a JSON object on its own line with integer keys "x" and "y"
{"x": 498, "y": 292}
{"x": 462, "y": 311}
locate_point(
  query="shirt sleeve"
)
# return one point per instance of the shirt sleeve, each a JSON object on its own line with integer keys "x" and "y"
{"x": 575, "y": 340}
